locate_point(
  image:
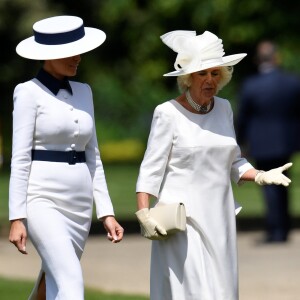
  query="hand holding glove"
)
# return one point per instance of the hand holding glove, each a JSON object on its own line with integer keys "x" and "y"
{"x": 273, "y": 176}
{"x": 150, "y": 229}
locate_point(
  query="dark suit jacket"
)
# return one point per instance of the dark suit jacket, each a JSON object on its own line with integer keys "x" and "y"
{"x": 269, "y": 115}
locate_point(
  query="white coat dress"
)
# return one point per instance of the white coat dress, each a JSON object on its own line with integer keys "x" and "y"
{"x": 192, "y": 158}
{"x": 56, "y": 199}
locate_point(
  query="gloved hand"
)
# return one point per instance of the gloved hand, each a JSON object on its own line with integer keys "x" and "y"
{"x": 150, "y": 229}
{"x": 273, "y": 176}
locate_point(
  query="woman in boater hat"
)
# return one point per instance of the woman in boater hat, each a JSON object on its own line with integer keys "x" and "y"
{"x": 56, "y": 170}
{"x": 192, "y": 156}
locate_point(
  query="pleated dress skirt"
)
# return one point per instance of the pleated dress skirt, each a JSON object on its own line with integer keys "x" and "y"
{"x": 59, "y": 213}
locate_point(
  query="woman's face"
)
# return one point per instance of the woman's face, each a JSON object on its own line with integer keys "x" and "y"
{"x": 204, "y": 83}
{"x": 64, "y": 67}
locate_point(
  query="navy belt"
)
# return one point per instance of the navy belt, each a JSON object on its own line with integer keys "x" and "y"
{"x": 70, "y": 157}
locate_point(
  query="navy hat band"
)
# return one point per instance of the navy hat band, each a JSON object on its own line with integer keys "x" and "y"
{"x": 59, "y": 38}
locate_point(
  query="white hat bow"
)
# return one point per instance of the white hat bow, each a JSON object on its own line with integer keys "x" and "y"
{"x": 197, "y": 52}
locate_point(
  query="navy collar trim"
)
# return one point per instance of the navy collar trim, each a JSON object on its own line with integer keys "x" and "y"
{"x": 53, "y": 84}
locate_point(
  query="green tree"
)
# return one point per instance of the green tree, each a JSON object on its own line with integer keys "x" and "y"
{"x": 126, "y": 71}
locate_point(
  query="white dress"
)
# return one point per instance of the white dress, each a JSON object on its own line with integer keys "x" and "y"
{"x": 54, "y": 198}
{"x": 192, "y": 158}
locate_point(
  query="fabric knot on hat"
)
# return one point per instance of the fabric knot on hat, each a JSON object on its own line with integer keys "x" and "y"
{"x": 197, "y": 52}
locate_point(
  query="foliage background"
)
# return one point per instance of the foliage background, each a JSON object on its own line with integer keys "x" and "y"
{"x": 126, "y": 71}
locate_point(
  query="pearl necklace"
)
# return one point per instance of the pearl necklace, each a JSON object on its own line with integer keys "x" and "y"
{"x": 200, "y": 108}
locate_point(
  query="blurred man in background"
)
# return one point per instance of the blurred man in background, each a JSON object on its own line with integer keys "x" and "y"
{"x": 268, "y": 127}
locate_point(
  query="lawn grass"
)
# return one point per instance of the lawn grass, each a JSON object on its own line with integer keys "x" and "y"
{"x": 121, "y": 180}
{"x": 17, "y": 289}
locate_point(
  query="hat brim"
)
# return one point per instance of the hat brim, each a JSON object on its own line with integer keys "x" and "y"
{"x": 229, "y": 60}
{"x": 30, "y": 49}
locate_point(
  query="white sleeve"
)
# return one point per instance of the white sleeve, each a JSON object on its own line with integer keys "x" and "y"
{"x": 102, "y": 199}
{"x": 157, "y": 153}
{"x": 24, "y": 116}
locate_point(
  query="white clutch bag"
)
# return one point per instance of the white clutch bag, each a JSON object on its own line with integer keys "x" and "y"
{"x": 171, "y": 216}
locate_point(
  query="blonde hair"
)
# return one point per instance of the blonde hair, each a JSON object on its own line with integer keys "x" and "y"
{"x": 184, "y": 81}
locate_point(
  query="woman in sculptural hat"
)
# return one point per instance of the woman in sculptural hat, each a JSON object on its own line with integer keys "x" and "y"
{"x": 56, "y": 170}
{"x": 191, "y": 157}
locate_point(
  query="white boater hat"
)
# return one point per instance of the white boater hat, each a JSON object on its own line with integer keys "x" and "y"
{"x": 60, "y": 37}
{"x": 197, "y": 52}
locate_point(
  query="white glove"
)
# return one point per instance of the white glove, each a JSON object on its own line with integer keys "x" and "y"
{"x": 150, "y": 229}
{"x": 274, "y": 176}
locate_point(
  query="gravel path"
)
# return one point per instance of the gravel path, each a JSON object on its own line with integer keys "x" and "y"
{"x": 267, "y": 272}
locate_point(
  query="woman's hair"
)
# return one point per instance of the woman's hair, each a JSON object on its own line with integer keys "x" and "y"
{"x": 184, "y": 81}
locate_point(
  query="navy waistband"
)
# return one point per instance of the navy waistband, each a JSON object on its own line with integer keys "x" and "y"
{"x": 70, "y": 157}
